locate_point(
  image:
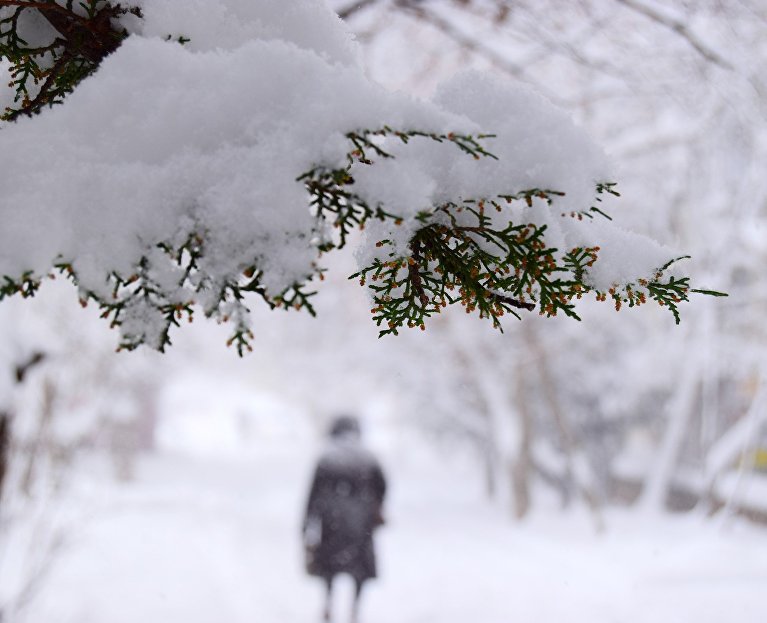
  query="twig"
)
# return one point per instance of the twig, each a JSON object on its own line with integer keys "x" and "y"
{"x": 42, "y": 96}
{"x": 353, "y": 8}
{"x": 476, "y": 47}
{"x": 462, "y": 39}
{"x": 35, "y": 4}
{"x": 513, "y": 302}
{"x": 415, "y": 276}
{"x": 680, "y": 28}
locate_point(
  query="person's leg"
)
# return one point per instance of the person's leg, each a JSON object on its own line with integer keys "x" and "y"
{"x": 356, "y": 605}
{"x": 328, "y": 598}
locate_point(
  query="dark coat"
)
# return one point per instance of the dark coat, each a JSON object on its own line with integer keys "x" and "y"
{"x": 344, "y": 508}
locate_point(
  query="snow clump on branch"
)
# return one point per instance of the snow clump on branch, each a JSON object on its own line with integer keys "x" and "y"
{"x": 226, "y": 144}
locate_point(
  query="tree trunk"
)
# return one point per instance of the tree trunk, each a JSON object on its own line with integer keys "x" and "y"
{"x": 733, "y": 445}
{"x": 41, "y": 440}
{"x": 5, "y": 448}
{"x": 577, "y": 464}
{"x": 680, "y": 409}
{"x": 482, "y": 373}
{"x": 520, "y": 465}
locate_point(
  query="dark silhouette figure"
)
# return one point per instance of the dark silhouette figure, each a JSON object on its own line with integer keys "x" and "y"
{"x": 343, "y": 510}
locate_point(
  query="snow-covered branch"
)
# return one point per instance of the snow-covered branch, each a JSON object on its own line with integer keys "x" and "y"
{"x": 171, "y": 180}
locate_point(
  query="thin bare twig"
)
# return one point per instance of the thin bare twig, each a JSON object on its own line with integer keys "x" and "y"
{"x": 461, "y": 38}
{"x": 355, "y": 7}
{"x": 513, "y": 302}
{"x": 681, "y": 29}
{"x": 475, "y": 46}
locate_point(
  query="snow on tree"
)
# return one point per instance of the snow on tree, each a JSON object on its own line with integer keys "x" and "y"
{"x": 168, "y": 156}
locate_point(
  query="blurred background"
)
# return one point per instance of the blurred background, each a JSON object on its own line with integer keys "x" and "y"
{"x": 613, "y": 469}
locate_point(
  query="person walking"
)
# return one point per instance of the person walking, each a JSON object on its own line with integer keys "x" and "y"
{"x": 343, "y": 510}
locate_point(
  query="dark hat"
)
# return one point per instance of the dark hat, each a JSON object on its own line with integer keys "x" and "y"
{"x": 344, "y": 425}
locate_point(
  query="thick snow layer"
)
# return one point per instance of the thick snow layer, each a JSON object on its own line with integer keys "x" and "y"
{"x": 209, "y": 137}
{"x": 201, "y": 540}
{"x": 228, "y": 24}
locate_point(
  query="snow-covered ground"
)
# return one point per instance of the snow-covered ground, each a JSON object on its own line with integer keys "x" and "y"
{"x": 207, "y": 539}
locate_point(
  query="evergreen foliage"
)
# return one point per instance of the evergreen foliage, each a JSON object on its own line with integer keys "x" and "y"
{"x": 470, "y": 251}
{"x": 44, "y": 72}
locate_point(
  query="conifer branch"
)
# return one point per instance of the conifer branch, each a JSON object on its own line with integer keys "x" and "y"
{"x": 469, "y": 252}
{"x": 44, "y": 74}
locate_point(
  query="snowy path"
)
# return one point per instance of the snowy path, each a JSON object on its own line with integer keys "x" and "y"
{"x": 198, "y": 541}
